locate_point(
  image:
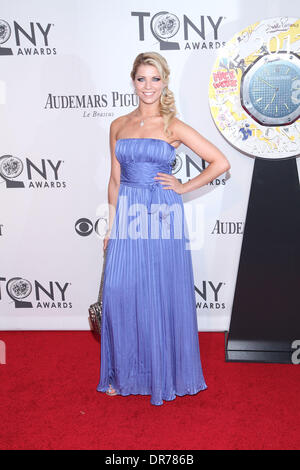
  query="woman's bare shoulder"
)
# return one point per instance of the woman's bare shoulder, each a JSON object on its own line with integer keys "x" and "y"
{"x": 177, "y": 125}
{"x": 118, "y": 123}
{"x": 177, "y": 128}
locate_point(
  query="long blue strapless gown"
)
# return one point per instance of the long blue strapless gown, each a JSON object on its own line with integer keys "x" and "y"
{"x": 149, "y": 340}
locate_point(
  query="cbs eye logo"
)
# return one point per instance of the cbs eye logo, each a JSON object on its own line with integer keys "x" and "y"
{"x": 85, "y": 227}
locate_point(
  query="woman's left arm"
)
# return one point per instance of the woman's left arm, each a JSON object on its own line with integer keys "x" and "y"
{"x": 218, "y": 163}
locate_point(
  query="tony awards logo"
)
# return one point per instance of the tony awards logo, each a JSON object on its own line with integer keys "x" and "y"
{"x": 18, "y": 289}
{"x": 10, "y": 168}
{"x": 37, "y": 175}
{"x": 165, "y": 25}
{"x": 176, "y": 165}
{"x": 5, "y": 33}
{"x": 30, "y": 39}
{"x": 47, "y": 295}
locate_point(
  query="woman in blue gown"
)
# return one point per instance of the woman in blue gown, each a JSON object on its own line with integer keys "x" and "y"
{"x": 149, "y": 340}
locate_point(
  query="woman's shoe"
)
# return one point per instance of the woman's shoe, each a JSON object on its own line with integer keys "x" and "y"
{"x": 111, "y": 391}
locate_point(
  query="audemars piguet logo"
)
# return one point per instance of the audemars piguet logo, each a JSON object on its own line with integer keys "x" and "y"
{"x": 222, "y": 227}
{"x": 173, "y": 33}
{"x": 33, "y": 38}
{"x": 93, "y": 105}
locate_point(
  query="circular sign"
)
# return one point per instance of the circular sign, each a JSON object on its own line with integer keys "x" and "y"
{"x": 10, "y": 167}
{"x": 254, "y": 89}
{"x": 164, "y": 25}
{"x": 5, "y": 31}
{"x": 18, "y": 288}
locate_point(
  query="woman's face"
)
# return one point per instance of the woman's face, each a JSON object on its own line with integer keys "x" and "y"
{"x": 148, "y": 84}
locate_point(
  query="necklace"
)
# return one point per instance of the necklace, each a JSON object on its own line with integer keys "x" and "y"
{"x": 147, "y": 117}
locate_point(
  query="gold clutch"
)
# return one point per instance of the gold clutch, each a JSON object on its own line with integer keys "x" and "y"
{"x": 95, "y": 310}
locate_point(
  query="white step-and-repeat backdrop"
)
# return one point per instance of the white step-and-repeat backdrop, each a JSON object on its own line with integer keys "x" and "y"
{"x": 64, "y": 77}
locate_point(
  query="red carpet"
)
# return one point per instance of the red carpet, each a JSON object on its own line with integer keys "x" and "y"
{"x": 48, "y": 400}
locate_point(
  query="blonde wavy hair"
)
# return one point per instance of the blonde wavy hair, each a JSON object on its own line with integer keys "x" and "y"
{"x": 167, "y": 106}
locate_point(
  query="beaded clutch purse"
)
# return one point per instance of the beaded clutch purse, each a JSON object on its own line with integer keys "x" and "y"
{"x": 95, "y": 310}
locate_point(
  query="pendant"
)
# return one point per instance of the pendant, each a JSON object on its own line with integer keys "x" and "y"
{"x": 141, "y": 123}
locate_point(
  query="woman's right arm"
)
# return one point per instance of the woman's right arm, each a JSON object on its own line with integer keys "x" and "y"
{"x": 114, "y": 181}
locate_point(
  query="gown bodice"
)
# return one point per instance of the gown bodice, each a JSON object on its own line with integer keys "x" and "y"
{"x": 141, "y": 158}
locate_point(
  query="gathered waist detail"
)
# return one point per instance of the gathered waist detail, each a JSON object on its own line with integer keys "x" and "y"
{"x": 153, "y": 187}
{"x": 140, "y": 185}
{"x": 146, "y": 171}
